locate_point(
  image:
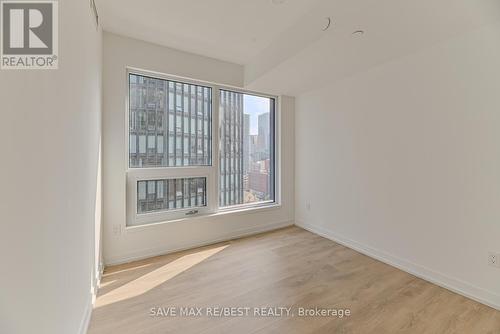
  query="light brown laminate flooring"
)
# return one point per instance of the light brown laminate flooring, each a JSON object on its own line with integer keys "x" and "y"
{"x": 290, "y": 268}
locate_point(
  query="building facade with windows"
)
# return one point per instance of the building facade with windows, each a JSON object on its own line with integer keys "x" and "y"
{"x": 171, "y": 144}
{"x": 170, "y": 123}
{"x": 170, "y": 126}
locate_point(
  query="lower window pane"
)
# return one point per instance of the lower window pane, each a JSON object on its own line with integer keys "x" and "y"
{"x": 171, "y": 194}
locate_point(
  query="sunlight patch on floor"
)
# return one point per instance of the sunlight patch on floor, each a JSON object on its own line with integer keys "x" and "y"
{"x": 156, "y": 277}
{"x": 108, "y": 283}
{"x": 107, "y": 274}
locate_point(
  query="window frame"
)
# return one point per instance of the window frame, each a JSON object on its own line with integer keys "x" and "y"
{"x": 211, "y": 172}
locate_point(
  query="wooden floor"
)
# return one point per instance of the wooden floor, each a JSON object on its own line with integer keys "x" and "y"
{"x": 285, "y": 268}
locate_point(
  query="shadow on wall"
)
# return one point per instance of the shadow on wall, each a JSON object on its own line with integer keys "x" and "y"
{"x": 97, "y": 264}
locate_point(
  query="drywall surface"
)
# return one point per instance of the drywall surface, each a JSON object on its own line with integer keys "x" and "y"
{"x": 403, "y": 162}
{"x": 123, "y": 244}
{"x": 51, "y": 121}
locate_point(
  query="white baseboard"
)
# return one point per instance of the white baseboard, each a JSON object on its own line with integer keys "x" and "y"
{"x": 146, "y": 253}
{"x": 456, "y": 285}
{"x": 84, "y": 325}
{"x": 97, "y": 282}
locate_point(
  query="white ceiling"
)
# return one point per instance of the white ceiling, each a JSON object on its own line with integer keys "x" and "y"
{"x": 393, "y": 29}
{"x": 283, "y": 47}
{"x": 231, "y": 30}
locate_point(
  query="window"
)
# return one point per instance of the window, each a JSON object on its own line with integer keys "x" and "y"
{"x": 181, "y": 194}
{"x": 151, "y": 104}
{"x": 247, "y": 149}
{"x": 196, "y": 148}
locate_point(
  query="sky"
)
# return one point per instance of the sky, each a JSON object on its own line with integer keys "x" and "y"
{"x": 255, "y": 106}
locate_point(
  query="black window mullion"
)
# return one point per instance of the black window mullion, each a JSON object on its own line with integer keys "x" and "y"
{"x": 175, "y": 128}
{"x": 170, "y": 89}
{"x": 230, "y": 144}
{"x": 272, "y": 150}
{"x": 241, "y": 132}
{"x": 190, "y": 132}
{"x": 203, "y": 125}
{"x": 196, "y": 124}
{"x": 182, "y": 126}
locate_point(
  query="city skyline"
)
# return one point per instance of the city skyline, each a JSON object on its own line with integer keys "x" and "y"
{"x": 258, "y": 105}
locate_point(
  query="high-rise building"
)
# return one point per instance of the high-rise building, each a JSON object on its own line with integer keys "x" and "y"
{"x": 253, "y": 146}
{"x": 232, "y": 131}
{"x": 170, "y": 123}
{"x": 246, "y": 143}
{"x": 263, "y": 136}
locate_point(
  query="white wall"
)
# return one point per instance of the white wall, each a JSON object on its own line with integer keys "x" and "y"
{"x": 403, "y": 162}
{"x": 123, "y": 244}
{"x": 50, "y": 147}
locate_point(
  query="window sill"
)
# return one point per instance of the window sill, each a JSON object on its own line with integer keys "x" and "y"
{"x": 222, "y": 212}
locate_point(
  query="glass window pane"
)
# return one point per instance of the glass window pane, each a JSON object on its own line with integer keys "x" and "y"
{"x": 133, "y": 144}
{"x": 141, "y": 190}
{"x": 151, "y": 142}
{"x": 247, "y": 148}
{"x": 171, "y": 194}
{"x": 142, "y": 144}
{"x": 160, "y": 144}
{"x": 171, "y": 120}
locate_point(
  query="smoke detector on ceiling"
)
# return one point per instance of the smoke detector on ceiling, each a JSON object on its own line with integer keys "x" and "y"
{"x": 358, "y": 32}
